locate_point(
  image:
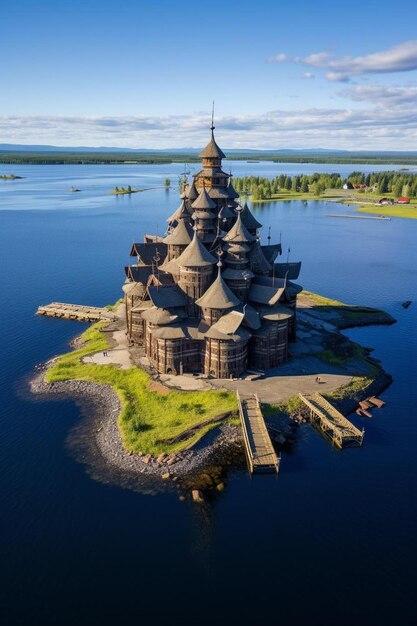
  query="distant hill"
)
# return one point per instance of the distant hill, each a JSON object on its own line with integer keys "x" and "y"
{"x": 14, "y": 147}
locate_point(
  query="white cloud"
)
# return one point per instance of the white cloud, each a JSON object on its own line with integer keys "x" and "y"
{"x": 308, "y": 75}
{"x": 381, "y": 95}
{"x": 278, "y": 58}
{"x": 393, "y": 126}
{"x": 399, "y": 58}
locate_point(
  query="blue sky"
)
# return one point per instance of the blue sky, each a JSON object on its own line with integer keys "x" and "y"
{"x": 287, "y": 74}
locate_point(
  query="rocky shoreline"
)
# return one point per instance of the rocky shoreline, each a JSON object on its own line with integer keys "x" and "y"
{"x": 96, "y": 440}
{"x": 97, "y": 443}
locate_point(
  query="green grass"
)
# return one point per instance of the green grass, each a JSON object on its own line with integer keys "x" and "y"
{"x": 350, "y": 199}
{"x": 356, "y": 385}
{"x": 348, "y": 312}
{"x": 287, "y": 195}
{"x": 113, "y": 307}
{"x": 148, "y": 419}
{"x": 341, "y": 354}
{"x": 318, "y": 300}
{"x": 397, "y": 210}
{"x": 289, "y": 407}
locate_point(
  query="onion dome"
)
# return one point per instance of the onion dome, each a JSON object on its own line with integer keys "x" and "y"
{"x": 195, "y": 255}
{"x": 181, "y": 213}
{"x": 212, "y": 150}
{"x": 181, "y": 235}
{"x": 248, "y": 218}
{"x": 203, "y": 201}
{"x": 239, "y": 233}
{"x": 218, "y": 295}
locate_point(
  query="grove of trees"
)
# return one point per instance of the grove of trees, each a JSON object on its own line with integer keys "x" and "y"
{"x": 260, "y": 188}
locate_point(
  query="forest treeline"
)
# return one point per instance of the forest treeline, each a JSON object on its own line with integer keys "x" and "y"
{"x": 397, "y": 183}
{"x": 44, "y": 157}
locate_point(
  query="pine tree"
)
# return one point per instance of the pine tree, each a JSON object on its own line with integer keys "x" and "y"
{"x": 304, "y": 185}
{"x": 295, "y": 183}
{"x": 383, "y": 186}
{"x": 397, "y": 188}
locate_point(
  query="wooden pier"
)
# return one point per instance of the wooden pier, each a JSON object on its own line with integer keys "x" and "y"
{"x": 260, "y": 452}
{"x": 77, "y": 312}
{"x": 331, "y": 422}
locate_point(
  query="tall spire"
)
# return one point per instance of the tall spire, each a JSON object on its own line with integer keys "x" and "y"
{"x": 212, "y": 150}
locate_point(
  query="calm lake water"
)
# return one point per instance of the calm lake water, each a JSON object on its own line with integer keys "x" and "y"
{"x": 330, "y": 541}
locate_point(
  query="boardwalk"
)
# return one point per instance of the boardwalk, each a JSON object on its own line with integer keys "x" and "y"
{"x": 331, "y": 422}
{"x": 78, "y": 312}
{"x": 260, "y": 452}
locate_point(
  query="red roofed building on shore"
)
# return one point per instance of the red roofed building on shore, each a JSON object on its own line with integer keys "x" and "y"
{"x": 208, "y": 297}
{"x": 403, "y": 200}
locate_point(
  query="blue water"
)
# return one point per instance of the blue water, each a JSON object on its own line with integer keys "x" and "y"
{"x": 330, "y": 541}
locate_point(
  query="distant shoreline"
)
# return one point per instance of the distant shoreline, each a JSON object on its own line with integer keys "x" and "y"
{"x": 165, "y": 158}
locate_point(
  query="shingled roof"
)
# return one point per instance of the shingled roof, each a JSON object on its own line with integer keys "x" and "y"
{"x": 226, "y": 213}
{"x": 272, "y": 282}
{"x": 148, "y": 251}
{"x": 218, "y": 193}
{"x": 231, "y": 191}
{"x": 134, "y": 289}
{"x": 191, "y": 192}
{"x": 263, "y": 294}
{"x": 241, "y": 334}
{"x": 257, "y": 259}
{"x": 161, "y": 317}
{"x": 139, "y": 273}
{"x": 230, "y": 322}
{"x": 181, "y": 235}
{"x": 272, "y": 251}
{"x": 203, "y": 201}
{"x": 248, "y": 218}
{"x": 293, "y": 269}
{"x": 195, "y": 255}
{"x": 181, "y": 213}
{"x": 212, "y": 150}
{"x": 218, "y": 296}
{"x": 166, "y": 297}
{"x": 239, "y": 232}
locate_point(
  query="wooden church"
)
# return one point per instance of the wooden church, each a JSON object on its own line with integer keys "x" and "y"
{"x": 208, "y": 297}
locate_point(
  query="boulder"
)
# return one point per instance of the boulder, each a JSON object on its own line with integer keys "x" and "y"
{"x": 197, "y": 495}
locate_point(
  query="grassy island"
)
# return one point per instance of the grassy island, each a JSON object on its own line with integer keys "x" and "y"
{"x": 120, "y": 191}
{"x": 155, "y": 419}
{"x": 187, "y": 415}
{"x": 9, "y": 177}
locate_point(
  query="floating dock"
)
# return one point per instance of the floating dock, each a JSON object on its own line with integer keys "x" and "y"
{"x": 77, "y": 312}
{"x": 331, "y": 422}
{"x": 260, "y": 452}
